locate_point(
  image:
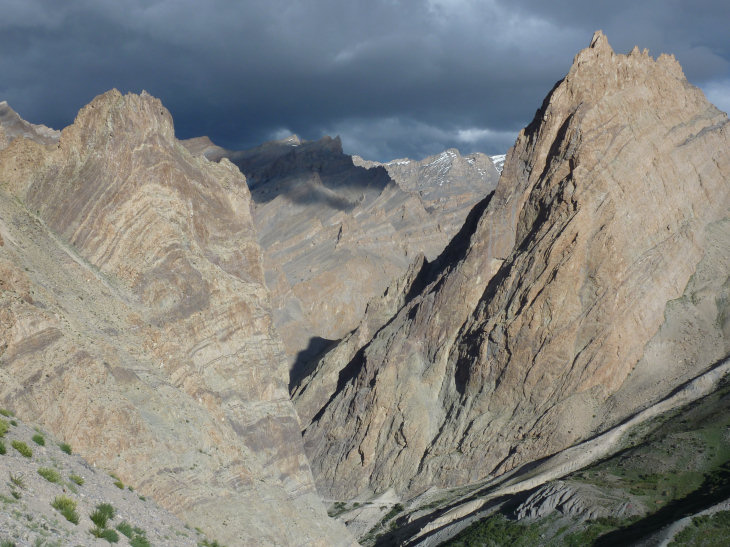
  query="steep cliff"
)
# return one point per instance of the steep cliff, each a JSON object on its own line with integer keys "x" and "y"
{"x": 594, "y": 282}
{"x": 134, "y": 323}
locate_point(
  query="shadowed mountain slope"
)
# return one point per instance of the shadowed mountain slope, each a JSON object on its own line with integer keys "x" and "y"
{"x": 336, "y": 230}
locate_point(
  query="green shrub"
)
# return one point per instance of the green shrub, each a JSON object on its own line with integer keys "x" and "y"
{"x": 39, "y": 440}
{"x": 67, "y": 507}
{"x": 17, "y": 480}
{"x": 139, "y": 541}
{"x": 51, "y": 475}
{"x": 65, "y": 447}
{"x": 125, "y": 528}
{"x": 13, "y": 423}
{"x": 77, "y": 479}
{"x": 6, "y": 413}
{"x": 102, "y": 514}
{"x": 4, "y": 426}
{"x": 105, "y": 533}
{"x": 23, "y": 448}
{"x": 3, "y": 450}
{"x": 15, "y": 494}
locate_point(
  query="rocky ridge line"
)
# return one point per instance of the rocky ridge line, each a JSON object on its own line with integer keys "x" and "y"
{"x": 610, "y": 215}
{"x": 135, "y": 324}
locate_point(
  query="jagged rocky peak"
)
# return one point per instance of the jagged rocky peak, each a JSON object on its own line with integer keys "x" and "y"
{"x": 561, "y": 314}
{"x": 135, "y": 324}
{"x": 13, "y": 126}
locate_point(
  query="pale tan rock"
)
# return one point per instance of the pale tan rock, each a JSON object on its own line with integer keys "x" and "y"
{"x": 134, "y": 323}
{"x": 610, "y": 200}
{"x": 337, "y": 230}
{"x": 13, "y": 126}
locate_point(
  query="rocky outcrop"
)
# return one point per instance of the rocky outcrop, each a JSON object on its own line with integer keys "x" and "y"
{"x": 610, "y": 214}
{"x": 13, "y": 126}
{"x": 336, "y": 230}
{"x": 578, "y": 501}
{"x": 135, "y": 324}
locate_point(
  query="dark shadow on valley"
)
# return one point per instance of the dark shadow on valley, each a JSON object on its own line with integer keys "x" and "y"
{"x": 306, "y": 360}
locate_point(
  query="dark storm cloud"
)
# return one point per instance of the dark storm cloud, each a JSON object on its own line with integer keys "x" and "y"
{"x": 393, "y": 78}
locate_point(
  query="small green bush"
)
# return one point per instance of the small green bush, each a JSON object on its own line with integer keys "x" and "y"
{"x": 6, "y": 413}
{"x": 51, "y": 475}
{"x": 125, "y": 528}
{"x": 4, "y": 426}
{"x": 67, "y": 507}
{"x": 15, "y": 494}
{"x": 119, "y": 484}
{"x": 65, "y": 447}
{"x": 105, "y": 533}
{"x": 39, "y": 440}
{"x": 102, "y": 514}
{"x": 23, "y": 448}
{"x": 139, "y": 541}
{"x": 77, "y": 479}
{"x": 3, "y": 450}
{"x": 17, "y": 480}
{"x": 13, "y": 423}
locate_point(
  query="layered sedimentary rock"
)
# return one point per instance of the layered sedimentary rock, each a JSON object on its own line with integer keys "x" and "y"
{"x": 594, "y": 281}
{"x": 336, "y": 230}
{"x": 135, "y": 323}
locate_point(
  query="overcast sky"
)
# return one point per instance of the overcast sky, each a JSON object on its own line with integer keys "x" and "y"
{"x": 393, "y": 78}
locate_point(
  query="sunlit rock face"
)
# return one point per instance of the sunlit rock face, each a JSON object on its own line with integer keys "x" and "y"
{"x": 592, "y": 282}
{"x": 135, "y": 323}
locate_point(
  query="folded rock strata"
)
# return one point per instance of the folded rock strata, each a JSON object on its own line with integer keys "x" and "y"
{"x": 594, "y": 281}
{"x": 135, "y": 323}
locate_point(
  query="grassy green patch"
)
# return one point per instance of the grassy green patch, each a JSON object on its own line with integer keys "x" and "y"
{"x": 77, "y": 479}
{"x": 5, "y": 412}
{"x": 39, "y": 440}
{"x": 498, "y": 530}
{"x": 139, "y": 541}
{"x": 705, "y": 530}
{"x": 4, "y": 426}
{"x": 103, "y": 513}
{"x": 65, "y": 447}
{"x": 105, "y": 533}
{"x": 23, "y": 448}
{"x": 17, "y": 480}
{"x": 67, "y": 507}
{"x": 137, "y": 536}
{"x": 3, "y": 450}
{"x": 51, "y": 475}
{"x": 125, "y": 528}
{"x": 593, "y": 529}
